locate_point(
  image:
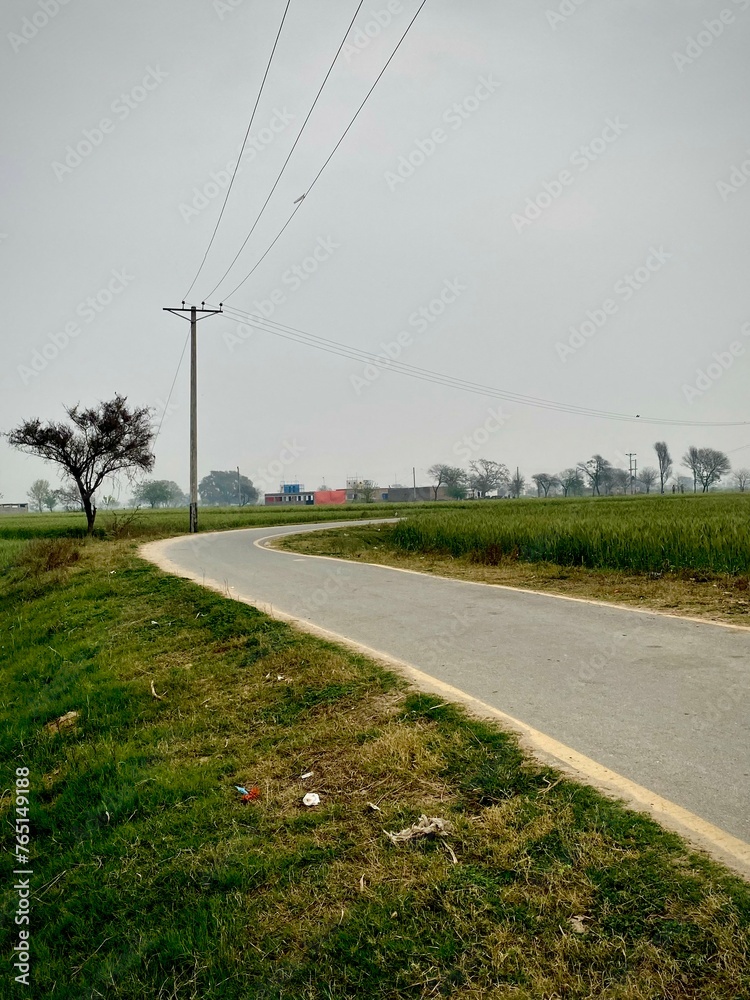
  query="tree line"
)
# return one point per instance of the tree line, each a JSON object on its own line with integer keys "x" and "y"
{"x": 707, "y": 467}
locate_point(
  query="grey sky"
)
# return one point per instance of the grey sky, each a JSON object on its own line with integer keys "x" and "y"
{"x": 177, "y": 82}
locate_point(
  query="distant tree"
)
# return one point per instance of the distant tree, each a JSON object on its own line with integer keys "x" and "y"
{"x": 616, "y": 481}
{"x": 665, "y": 463}
{"x": 367, "y": 490}
{"x": 69, "y": 497}
{"x": 110, "y": 502}
{"x": 222, "y": 489}
{"x": 97, "y": 443}
{"x": 38, "y": 493}
{"x": 707, "y": 466}
{"x": 545, "y": 482}
{"x": 517, "y": 485}
{"x": 437, "y": 475}
{"x": 648, "y": 477}
{"x": 159, "y": 493}
{"x": 596, "y": 471}
{"x": 741, "y": 479}
{"x": 570, "y": 482}
{"x": 486, "y": 476}
{"x": 456, "y": 482}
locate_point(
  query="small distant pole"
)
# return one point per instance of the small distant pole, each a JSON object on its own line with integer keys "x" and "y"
{"x": 191, "y": 313}
{"x": 239, "y": 488}
{"x": 414, "y": 477}
{"x": 633, "y": 469}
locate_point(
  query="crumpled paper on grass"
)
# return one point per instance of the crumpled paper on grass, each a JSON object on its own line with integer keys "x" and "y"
{"x": 432, "y": 826}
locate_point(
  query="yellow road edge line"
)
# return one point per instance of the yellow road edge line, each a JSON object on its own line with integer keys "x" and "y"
{"x": 719, "y": 844}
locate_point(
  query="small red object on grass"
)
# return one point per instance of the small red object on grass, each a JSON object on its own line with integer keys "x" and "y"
{"x": 252, "y": 796}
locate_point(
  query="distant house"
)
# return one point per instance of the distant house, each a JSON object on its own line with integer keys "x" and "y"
{"x": 407, "y": 494}
{"x": 14, "y": 508}
{"x": 290, "y": 493}
{"x": 330, "y": 496}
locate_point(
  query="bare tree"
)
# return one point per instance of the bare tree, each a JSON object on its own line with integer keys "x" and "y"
{"x": 665, "y": 463}
{"x": 596, "y": 471}
{"x": 741, "y": 479}
{"x": 616, "y": 481}
{"x": 707, "y": 466}
{"x": 39, "y": 490}
{"x": 445, "y": 475}
{"x": 97, "y": 443}
{"x": 487, "y": 476}
{"x": 545, "y": 482}
{"x": 570, "y": 481}
{"x": 648, "y": 477}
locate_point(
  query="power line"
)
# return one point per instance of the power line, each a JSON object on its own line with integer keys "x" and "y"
{"x": 286, "y": 161}
{"x": 242, "y": 150}
{"x": 330, "y": 157}
{"x": 439, "y": 378}
{"x": 174, "y": 381}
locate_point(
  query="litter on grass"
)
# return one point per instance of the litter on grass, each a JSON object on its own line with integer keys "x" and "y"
{"x": 311, "y": 799}
{"x": 248, "y": 795}
{"x": 432, "y": 826}
{"x": 66, "y": 721}
{"x": 308, "y": 774}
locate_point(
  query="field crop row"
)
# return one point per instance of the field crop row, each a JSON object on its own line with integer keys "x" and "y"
{"x": 642, "y": 534}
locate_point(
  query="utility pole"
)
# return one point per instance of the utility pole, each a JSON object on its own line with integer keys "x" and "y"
{"x": 633, "y": 469}
{"x": 414, "y": 478}
{"x": 191, "y": 313}
{"x": 239, "y": 488}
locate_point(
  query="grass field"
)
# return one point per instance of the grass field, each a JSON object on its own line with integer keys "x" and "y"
{"x": 638, "y": 534}
{"x": 152, "y": 878}
{"x": 162, "y": 523}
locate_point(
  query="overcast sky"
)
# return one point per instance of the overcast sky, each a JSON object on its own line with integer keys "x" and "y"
{"x": 523, "y": 168}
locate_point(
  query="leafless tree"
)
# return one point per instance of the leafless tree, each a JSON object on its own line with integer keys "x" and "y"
{"x": 665, "y": 463}
{"x": 595, "y": 471}
{"x": 487, "y": 476}
{"x": 741, "y": 479}
{"x": 707, "y": 466}
{"x": 545, "y": 482}
{"x": 570, "y": 482}
{"x": 97, "y": 443}
{"x": 616, "y": 481}
{"x": 38, "y": 493}
{"x": 648, "y": 477}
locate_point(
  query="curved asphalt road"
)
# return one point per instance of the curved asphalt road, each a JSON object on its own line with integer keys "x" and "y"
{"x": 662, "y": 701}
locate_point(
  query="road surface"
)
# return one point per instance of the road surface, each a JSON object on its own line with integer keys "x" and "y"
{"x": 660, "y": 701}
